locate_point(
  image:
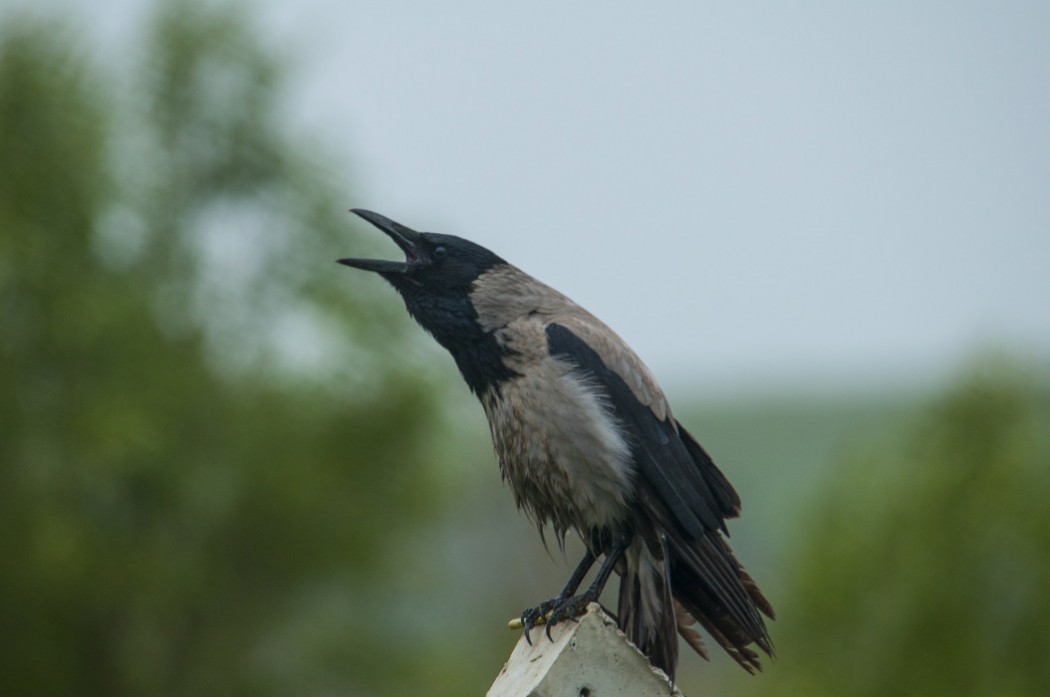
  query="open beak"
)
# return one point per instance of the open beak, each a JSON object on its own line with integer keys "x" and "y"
{"x": 406, "y": 238}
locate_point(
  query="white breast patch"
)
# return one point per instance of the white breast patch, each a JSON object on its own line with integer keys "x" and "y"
{"x": 560, "y": 448}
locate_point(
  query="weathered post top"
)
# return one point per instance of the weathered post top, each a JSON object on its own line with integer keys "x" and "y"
{"x": 589, "y": 658}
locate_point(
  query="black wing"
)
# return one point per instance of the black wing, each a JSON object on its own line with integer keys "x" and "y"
{"x": 681, "y": 492}
{"x": 663, "y": 459}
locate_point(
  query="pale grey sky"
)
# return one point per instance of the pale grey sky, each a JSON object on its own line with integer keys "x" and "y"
{"x": 747, "y": 192}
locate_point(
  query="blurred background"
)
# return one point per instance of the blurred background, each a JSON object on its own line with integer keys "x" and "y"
{"x": 230, "y": 466}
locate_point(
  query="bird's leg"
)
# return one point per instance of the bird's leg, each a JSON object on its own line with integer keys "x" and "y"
{"x": 531, "y": 617}
{"x": 570, "y": 607}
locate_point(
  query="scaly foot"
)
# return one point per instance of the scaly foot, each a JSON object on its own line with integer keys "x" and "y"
{"x": 553, "y": 611}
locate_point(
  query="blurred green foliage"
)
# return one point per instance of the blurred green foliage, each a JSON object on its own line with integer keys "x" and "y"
{"x": 180, "y": 483}
{"x": 922, "y": 568}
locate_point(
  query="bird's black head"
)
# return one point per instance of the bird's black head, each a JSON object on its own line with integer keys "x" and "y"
{"x": 436, "y": 279}
{"x": 438, "y": 265}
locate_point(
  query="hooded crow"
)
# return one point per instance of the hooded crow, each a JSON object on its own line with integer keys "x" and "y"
{"x": 587, "y": 442}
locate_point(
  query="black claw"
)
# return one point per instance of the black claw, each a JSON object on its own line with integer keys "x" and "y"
{"x": 555, "y": 610}
{"x": 530, "y": 616}
{"x": 528, "y": 621}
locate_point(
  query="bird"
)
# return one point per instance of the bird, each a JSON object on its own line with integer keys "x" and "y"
{"x": 587, "y": 442}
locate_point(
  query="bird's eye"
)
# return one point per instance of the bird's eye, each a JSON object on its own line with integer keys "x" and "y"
{"x": 439, "y": 253}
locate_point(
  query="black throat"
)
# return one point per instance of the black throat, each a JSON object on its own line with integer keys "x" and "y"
{"x": 453, "y": 322}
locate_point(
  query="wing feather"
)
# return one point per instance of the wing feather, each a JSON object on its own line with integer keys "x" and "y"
{"x": 659, "y": 453}
{"x": 679, "y": 491}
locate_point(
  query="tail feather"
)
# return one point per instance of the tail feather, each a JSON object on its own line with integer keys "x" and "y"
{"x": 726, "y": 634}
{"x": 712, "y": 567}
{"x": 661, "y": 599}
{"x": 685, "y": 622}
{"x": 733, "y": 630}
{"x": 646, "y": 607}
{"x": 711, "y": 586}
{"x": 751, "y": 586}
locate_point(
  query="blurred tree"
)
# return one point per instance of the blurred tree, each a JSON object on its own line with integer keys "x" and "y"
{"x": 203, "y": 445}
{"x": 924, "y": 568}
